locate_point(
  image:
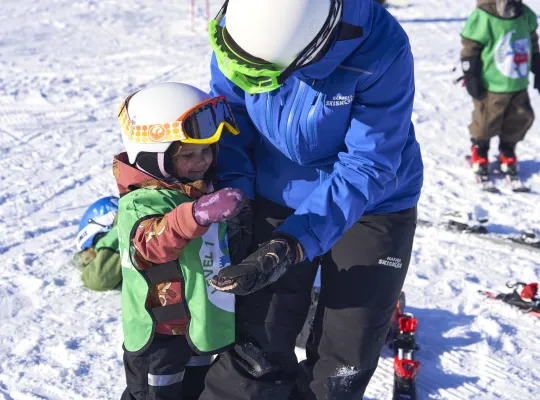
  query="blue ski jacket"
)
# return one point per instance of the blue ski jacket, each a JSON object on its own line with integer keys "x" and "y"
{"x": 336, "y": 140}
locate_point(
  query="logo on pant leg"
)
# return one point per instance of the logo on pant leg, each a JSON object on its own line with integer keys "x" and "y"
{"x": 391, "y": 262}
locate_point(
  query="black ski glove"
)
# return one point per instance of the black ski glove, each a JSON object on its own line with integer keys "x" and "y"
{"x": 472, "y": 68}
{"x": 261, "y": 268}
{"x": 240, "y": 234}
{"x": 535, "y": 69}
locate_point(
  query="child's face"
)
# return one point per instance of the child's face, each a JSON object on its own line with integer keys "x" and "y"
{"x": 192, "y": 161}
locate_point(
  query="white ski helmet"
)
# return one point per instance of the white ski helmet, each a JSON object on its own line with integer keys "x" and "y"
{"x": 276, "y": 31}
{"x": 156, "y": 105}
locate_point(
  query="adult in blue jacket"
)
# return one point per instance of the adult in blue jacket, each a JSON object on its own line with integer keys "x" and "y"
{"x": 322, "y": 91}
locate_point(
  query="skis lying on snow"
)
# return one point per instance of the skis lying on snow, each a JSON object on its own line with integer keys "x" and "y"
{"x": 526, "y": 299}
{"x": 402, "y": 339}
{"x": 484, "y": 177}
{"x": 465, "y": 223}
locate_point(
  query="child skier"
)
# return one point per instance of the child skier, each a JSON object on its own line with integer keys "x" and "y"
{"x": 172, "y": 236}
{"x": 500, "y": 48}
{"x": 98, "y": 258}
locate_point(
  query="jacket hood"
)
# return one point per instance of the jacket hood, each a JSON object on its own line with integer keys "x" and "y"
{"x": 355, "y": 27}
{"x": 489, "y": 6}
{"x": 129, "y": 178}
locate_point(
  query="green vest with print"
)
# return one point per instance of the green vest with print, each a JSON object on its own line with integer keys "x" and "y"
{"x": 211, "y": 325}
{"x": 109, "y": 241}
{"x": 507, "y": 53}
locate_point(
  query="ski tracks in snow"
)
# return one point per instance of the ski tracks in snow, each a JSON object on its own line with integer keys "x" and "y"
{"x": 65, "y": 68}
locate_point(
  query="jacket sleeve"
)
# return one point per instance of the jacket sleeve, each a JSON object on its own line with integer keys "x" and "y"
{"x": 470, "y": 48}
{"x": 379, "y": 129}
{"x": 161, "y": 239}
{"x": 235, "y": 162}
{"x": 104, "y": 272}
{"x": 534, "y": 42}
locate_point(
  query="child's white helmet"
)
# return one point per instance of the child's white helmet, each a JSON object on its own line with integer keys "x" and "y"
{"x": 152, "y": 110}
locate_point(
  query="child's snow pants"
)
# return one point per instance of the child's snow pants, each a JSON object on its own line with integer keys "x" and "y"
{"x": 507, "y": 115}
{"x": 167, "y": 370}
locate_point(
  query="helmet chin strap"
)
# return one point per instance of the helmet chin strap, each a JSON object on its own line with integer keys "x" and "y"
{"x": 161, "y": 165}
{"x": 153, "y": 164}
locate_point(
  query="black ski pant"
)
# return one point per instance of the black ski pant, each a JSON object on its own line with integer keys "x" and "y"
{"x": 167, "y": 370}
{"x": 362, "y": 276}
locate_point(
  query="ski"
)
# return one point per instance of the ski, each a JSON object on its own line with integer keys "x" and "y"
{"x": 401, "y": 339}
{"x": 524, "y": 297}
{"x": 405, "y": 365}
{"x": 464, "y": 223}
{"x": 399, "y": 311}
{"x": 511, "y": 174}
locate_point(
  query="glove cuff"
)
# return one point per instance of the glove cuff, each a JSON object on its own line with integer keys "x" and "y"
{"x": 197, "y": 220}
{"x": 471, "y": 66}
{"x": 294, "y": 246}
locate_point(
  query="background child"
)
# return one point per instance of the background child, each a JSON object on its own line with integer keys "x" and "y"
{"x": 97, "y": 241}
{"x": 170, "y": 237}
{"x": 500, "y": 48}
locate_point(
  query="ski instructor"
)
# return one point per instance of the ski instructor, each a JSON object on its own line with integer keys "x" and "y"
{"x": 322, "y": 91}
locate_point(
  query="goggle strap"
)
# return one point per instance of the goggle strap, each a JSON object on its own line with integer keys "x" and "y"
{"x": 221, "y": 12}
{"x": 240, "y": 53}
{"x": 306, "y": 57}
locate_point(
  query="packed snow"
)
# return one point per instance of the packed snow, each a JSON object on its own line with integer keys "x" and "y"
{"x": 66, "y": 66}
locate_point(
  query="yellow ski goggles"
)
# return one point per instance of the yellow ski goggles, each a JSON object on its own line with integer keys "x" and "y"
{"x": 201, "y": 124}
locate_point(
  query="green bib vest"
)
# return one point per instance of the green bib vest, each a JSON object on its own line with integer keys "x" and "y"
{"x": 109, "y": 241}
{"x": 211, "y": 325}
{"x": 507, "y": 53}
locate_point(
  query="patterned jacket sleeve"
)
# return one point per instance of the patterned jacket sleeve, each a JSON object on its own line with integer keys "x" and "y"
{"x": 161, "y": 239}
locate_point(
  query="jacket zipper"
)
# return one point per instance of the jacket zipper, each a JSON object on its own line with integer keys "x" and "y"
{"x": 298, "y": 99}
{"x": 269, "y": 113}
{"x": 311, "y": 120}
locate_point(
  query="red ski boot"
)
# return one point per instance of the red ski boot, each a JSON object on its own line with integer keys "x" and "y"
{"x": 480, "y": 165}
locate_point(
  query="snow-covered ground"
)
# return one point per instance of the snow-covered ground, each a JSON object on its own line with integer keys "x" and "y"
{"x": 66, "y": 66}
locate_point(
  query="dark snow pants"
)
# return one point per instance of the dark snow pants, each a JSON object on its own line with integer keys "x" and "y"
{"x": 362, "y": 276}
{"x": 507, "y": 115}
{"x": 167, "y": 370}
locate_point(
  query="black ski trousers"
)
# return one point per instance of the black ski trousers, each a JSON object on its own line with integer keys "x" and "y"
{"x": 167, "y": 370}
{"x": 361, "y": 279}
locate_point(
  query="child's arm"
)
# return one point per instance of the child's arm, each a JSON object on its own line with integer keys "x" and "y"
{"x": 104, "y": 272}
{"x": 161, "y": 239}
{"x": 475, "y": 35}
{"x": 534, "y": 43}
{"x": 470, "y": 48}
{"x": 471, "y": 64}
{"x": 535, "y": 66}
